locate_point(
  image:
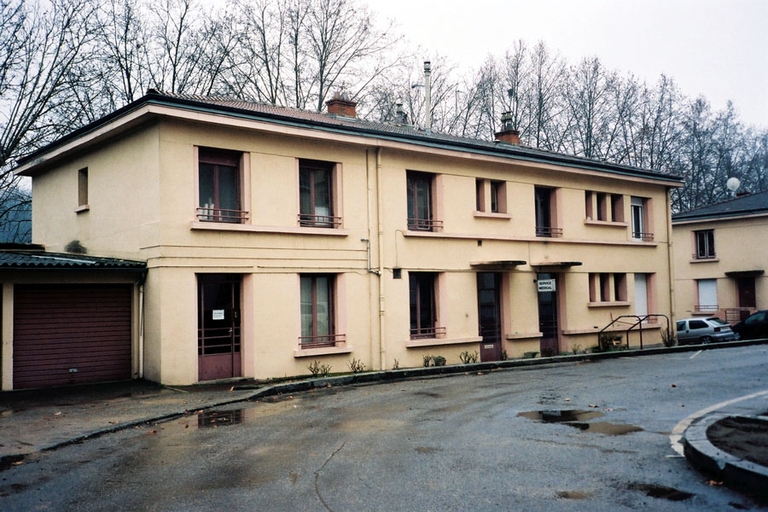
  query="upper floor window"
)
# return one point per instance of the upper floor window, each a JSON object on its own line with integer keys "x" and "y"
{"x": 605, "y": 287}
{"x": 545, "y": 209}
{"x": 316, "y": 194}
{"x": 424, "y": 324}
{"x": 421, "y": 207}
{"x": 705, "y": 244}
{"x": 318, "y": 311}
{"x": 603, "y": 206}
{"x": 82, "y": 188}
{"x": 491, "y": 196}
{"x": 220, "y": 186}
{"x": 641, "y": 219}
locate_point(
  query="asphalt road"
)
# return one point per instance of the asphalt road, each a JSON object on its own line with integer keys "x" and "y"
{"x": 489, "y": 441}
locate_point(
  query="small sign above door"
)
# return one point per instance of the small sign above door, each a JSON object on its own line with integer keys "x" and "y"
{"x": 545, "y": 285}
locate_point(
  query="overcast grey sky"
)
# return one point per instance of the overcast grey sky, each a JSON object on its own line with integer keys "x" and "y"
{"x": 714, "y": 48}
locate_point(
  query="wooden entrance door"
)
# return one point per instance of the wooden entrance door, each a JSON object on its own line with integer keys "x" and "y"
{"x": 218, "y": 326}
{"x": 489, "y": 315}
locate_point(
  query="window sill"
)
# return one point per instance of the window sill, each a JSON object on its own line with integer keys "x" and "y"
{"x": 436, "y": 342}
{"x": 705, "y": 260}
{"x": 250, "y": 228}
{"x": 82, "y": 208}
{"x": 524, "y": 336}
{"x": 492, "y": 215}
{"x": 617, "y": 304}
{"x": 605, "y": 223}
{"x": 323, "y": 351}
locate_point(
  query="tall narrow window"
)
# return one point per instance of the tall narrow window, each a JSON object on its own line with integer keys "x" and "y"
{"x": 498, "y": 197}
{"x": 219, "y": 186}
{"x": 705, "y": 244}
{"x": 318, "y": 311}
{"x": 640, "y": 219}
{"x": 420, "y": 202}
{"x": 545, "y": 220}
{"x": 423, "y": 306}
{"x": 82, "y": 187}
{"x": 316, "y": 194}
{"x": 707, "y": 290}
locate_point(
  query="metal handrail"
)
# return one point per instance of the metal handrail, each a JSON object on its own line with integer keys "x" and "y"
{"x": 639, "y": 322}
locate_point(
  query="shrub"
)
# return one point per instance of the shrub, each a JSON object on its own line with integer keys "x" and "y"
{"x": 466, "y": 358}
{"x": 356, "y": 365}
{"x": 319, "y": 370}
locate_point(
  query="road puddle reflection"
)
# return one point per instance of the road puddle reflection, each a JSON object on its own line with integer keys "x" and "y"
{"x": 580, "y": 419}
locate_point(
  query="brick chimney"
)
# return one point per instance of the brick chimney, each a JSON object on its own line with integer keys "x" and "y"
{"x": 341, "y": 105}
{"x": 508, "y": 134}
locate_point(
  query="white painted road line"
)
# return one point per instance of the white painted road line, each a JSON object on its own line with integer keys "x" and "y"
{"x": 675, "y": 439}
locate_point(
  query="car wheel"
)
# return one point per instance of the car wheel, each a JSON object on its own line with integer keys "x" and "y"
{"x": 706, "y": 340}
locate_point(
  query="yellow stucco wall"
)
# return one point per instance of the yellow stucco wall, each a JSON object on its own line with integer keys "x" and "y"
{"x": 142, "y": 199}
{"x": 741, "y": 245}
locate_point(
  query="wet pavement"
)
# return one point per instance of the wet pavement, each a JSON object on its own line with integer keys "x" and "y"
{"x": 728, "y": 441}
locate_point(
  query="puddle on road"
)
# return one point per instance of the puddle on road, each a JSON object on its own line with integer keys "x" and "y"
{"x": 661, "y": 492}
{"x": 580, "y": 419}
{"x": 219, "y": 418}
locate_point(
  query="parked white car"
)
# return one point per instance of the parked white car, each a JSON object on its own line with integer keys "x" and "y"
{"x": 703, "y": 330}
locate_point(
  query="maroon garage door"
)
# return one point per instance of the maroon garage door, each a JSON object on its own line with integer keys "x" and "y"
{"x": 71, "y": 334}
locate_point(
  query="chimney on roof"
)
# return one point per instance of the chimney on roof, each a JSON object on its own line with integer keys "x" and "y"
{"x": 341, "y": 105}
{"x": 401, "y": 116}
{"x": 508, "y": 134}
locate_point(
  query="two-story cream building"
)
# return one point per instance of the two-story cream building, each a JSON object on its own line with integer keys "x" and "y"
{"x": 274, "y": 238}
{"x": 721, "y": 253}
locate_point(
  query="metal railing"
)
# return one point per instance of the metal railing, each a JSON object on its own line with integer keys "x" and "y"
{"x": 422, "y": 333}
{"x": 322, "y": 341}
{"x": 205, "y": 214}
{"x": 645, "y": 237}
{"x": 639, "y": 320}
{"x": 318, "y": 221}
{"x": 549, "y": 232}
{"x": 425, "y": 224}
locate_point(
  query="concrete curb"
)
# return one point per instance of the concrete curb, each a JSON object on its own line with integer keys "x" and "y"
{"x": 735, "y": 472}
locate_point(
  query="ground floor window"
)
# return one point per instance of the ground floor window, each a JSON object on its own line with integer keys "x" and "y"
{"x": 423, "y": 305}
{"x": 318, "y": 311}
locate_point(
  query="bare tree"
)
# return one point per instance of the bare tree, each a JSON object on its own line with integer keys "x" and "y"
{"x": 40, "y": 44}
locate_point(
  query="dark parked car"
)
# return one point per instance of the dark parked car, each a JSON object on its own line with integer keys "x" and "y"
{"x": 753, "y": 327}
{"x": 703, "y": 330}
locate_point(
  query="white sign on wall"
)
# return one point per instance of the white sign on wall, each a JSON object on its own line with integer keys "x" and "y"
{"x": 218, "y": 314}
{"x": 545, "y": 285}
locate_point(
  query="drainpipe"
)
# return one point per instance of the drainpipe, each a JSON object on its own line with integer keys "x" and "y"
{"x": 382, "y": 295}
{"x": 670, "y": 262}
{"x": 141, "y": 282}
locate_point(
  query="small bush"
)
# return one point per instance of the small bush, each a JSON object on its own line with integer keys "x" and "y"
{"x": 356, "y": 365}
{"x": 467, "y": 358}
{"x": 669, "y": 338}
{"x": 396, "y": 365}
{"x": 319, "y": 370}
{"x": 434, "y": 361}
{"x": 576, "y": 348}
{"x": 610, "y": 341}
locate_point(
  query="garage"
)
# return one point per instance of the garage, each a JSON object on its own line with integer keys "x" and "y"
{"x": 72, "y": 318}
{"x": 71, "y": 334}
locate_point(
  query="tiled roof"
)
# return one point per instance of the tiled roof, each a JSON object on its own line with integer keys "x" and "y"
{"x": 375, "y": 130}
{"x": 748, "y": 205}
{"x": 404, "y": 131}
{"x": 19, "y": 260}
